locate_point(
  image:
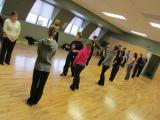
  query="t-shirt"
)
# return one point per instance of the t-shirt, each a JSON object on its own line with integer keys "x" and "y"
{"x": 75, "y": 45}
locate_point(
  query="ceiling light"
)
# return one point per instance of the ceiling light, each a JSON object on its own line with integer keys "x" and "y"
{"x": 138, "y": 33}
{"x": 155, "y": 25}
{"x": 114, "y": 15}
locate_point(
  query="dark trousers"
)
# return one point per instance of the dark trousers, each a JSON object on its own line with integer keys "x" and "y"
{"x": 135, "y": 70}
{"x": 129, "y": 68}
{"x": 76, "y": 80}
{"x": 114, "y": 72}
{"x": 6, "y": 51}
{"x": 101, "y": 60}
{"x": 124, "y": 63}
{"x": 68, "y": 63}
{"x": 38, "y": 83}
{"x": 140, "y": 68}
{"x": 102, "y": 76}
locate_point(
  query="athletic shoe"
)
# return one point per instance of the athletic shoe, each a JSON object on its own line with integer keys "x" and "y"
{"x": 7, "y": 63}
{"x": 62, "y": 75}
{"x": 100, "y": 84}
{"x": 1, "y": 63}
{"x": 27, "y": 103}
{"x": 73, "y": 89}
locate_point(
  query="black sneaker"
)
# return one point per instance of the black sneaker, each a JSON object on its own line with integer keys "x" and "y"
{"x": 29, "y": 104}
{"x": 7, "y": 63}
{"x": 73, "y": 89}
{"x": 1, "y": 63}
{"x": 62, "y": 75}
{"x": 100, "y": 84}
{"x": 77, "y": 88}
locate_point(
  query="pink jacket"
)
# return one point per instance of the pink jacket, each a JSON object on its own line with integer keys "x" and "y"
{"x": 82, "y": 57}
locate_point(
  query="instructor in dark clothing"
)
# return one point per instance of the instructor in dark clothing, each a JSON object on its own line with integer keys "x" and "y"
{"x": 139, "y": 63}
{"x": 75, "y": 47}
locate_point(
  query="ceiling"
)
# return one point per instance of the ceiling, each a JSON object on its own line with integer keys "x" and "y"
{"x": 139, "y": 14}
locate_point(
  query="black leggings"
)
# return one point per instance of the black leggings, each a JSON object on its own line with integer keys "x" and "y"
{"x": 38, "y": 83}
{"x": 101, "y": 60}
{"x": 68, "y": 63}
{"x": 114, "y": 72}
{"x": 76, "y": 80}
{"x": 6, "y": 51}
{"x": 135, "y": 70}
{"x": 102, "y": 76}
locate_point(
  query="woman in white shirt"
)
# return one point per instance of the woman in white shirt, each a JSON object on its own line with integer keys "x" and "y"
{"x": 11, "y": 31}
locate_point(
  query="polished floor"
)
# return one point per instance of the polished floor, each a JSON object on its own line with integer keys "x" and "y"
{"x": 136, "y": 99}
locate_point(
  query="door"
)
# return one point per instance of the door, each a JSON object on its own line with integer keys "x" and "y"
{"x": 152, "y": 66}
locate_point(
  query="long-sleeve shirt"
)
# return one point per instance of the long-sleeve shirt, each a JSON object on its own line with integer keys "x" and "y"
{"x": 82, "y": 57}
{"x": 46, "y": 50}
{"x": 11, "y": 29}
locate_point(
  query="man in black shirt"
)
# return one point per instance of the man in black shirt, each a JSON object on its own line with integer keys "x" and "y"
{"x": 138, "y": 64}
{"x": 75, "y": 47}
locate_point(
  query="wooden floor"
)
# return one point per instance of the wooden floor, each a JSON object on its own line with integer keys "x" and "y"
{"x": 136, "y": 99}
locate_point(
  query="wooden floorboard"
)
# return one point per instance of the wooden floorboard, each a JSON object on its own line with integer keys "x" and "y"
{"x": 136, "y": 99}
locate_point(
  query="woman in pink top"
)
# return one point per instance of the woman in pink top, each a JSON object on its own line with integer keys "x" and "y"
{"x": 79, "y": 64}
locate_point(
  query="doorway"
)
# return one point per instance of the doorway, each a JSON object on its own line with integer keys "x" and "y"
{"x": 152, "y": 66}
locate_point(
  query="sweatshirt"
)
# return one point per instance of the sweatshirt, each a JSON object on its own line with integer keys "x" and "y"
{"x": 110, "y": 56}
{"x": 82, "y": 57}
{"x": 46, "y": 50}
{"x": 11, "y": 29}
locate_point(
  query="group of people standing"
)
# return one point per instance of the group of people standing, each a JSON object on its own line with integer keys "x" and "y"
{"x": 117, "y": 58}
{"x": 78, "y": 57}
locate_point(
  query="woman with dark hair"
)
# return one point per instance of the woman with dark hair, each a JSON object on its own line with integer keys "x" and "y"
{"x": 11, "y": 29}
{"x": 130, "y": 66}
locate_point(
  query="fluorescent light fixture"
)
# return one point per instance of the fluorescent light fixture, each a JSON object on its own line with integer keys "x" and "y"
{"x": 138, "y": 33}
{"x": 114, "y": 15}
{"x": 155, "y": 25}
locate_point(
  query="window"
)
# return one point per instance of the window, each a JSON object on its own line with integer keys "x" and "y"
{"x": 41, "y": 14}
{"x": 95, "y": 33}
{"x": 1, "y": 4}
{"x": 32, "y": 18}
{"x": 74, "y": 26}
